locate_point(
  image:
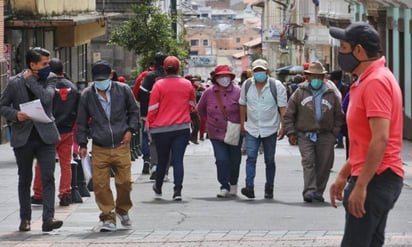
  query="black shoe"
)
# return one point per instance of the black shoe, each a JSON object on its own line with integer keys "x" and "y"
{"x": 36, "y": 201}
{"x": 51, "y": 224}
{"x": 318, "y": 198}
{"x": 177, "y": 196}
{"x": 158, "y": 192}
{"x": 308, "y": 197}
{"x": 153, "y": 176}
{"x": 65, "y": 201}
{"x": 268, "y": 193}
{"x": 248, "y": 192}
{"x": 146, "y": 168}
{"x": 24, "y": 226}
{"x": 194, "y": 140}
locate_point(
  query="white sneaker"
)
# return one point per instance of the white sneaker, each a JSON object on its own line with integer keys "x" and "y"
{"x": 108, "y": 226}
{"x": 223, "y": 193}
{"x": 124, "y": 219}
{"x": 233, "y": 190}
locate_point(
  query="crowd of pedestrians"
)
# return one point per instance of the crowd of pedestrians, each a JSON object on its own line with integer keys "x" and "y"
{"x": 172, "y": 112}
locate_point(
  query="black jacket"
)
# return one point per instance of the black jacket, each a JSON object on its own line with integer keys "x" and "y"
{"x": 65, "y": 103}
{"x": 146, "y": 88}
{"x": 92, "y": 119}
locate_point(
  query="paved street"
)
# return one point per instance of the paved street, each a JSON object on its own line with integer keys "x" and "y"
{"x": 201, "y": 219}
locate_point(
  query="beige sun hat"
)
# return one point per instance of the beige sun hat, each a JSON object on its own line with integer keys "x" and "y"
{"x": 316, "y": 68}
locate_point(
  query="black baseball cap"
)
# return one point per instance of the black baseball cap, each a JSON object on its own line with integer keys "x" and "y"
{"x": 359, "y": 33}
{"x": 101, "y": 70}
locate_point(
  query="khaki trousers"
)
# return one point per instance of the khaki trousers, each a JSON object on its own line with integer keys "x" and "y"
{"x": 103, "y": 159}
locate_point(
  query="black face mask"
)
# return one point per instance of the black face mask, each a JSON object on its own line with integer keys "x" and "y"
{"x": 348, "y": 62}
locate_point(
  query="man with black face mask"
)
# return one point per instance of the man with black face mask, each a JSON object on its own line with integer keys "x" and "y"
{"x": 31, "y": 139}
{"x": 374, "y": 120}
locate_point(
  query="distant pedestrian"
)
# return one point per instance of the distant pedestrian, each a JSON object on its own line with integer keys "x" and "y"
{"x": 264, "y": 104}
{"x": 108, "y": 113}
{"x": 149, "y": 147}
{"x": 219, "y": 104}
{"x": 343, "y": 87}
{"x": 375, "y": 125}
{"x": 194, "y": 115}
{"x": 313, "y": 118}
{"x": 65, "y": 103}
{"x": 31, "y": 139}
{"x": 168, "y": 121}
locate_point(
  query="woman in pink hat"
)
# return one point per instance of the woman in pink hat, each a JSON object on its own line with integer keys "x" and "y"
{"x": 219, "y": 104}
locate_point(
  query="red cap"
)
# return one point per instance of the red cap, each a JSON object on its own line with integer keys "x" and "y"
{"x": 171, "y": 62}
{"x": 121, "y": 79}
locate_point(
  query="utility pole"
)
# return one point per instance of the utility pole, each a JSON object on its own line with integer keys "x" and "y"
{"x": 173, "y": 13}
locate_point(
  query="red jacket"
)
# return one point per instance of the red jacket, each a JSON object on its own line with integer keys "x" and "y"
{"x": 171, "y": 101}
{"x": 138, "y": 82}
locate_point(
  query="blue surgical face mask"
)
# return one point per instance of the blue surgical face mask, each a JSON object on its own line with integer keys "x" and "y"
{"x": 260, "y": 76}
{"x": 44, "y": 73}
{"x": 103, "y": 85}
{"x": 316, "y": 83}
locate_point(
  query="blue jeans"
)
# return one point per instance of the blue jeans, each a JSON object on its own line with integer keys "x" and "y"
{"x": 174, "y": 142}
{"x": 228, "y": 160}
{"x": 382, "y": 193}
{"x": 46, "y": 157}
{"x": 269, "y": 148}
{"x": 145, "y": 143}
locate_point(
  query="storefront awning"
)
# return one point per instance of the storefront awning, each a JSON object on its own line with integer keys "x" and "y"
{"x": 70, "y": 30}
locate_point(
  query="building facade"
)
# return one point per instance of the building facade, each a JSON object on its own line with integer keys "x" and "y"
{"x": 65, "y": 28}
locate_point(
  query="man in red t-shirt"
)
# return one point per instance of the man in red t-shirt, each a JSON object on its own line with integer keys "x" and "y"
{"x": 374, "y": 121}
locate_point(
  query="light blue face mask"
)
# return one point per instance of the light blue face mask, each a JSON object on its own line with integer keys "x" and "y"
{"x": 103, "y": 85}
{"x": 316, "y": 83}
{"x": 260, "y": 76}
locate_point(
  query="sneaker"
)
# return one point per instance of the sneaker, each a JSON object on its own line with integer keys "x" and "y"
{"x": 146, "y": 168}
{"x": 153, "y": 173}
{"x": 248, "y": 192}
{"x": 65, "y": 201}
{"x": 166, "y": 178}
{"x": 233, "y": 190}
{"x": 124, "y": 219}
{"x": 24, "y": 226}
{"x": 158, "y": 192}
{"x": 268, "y": 193}
{"x": 223, "y": 193}
{"x": 51, "y": 224}
{"x": 36, "y": 201}
{"x": 177, "y": 196}
{"x": 108, "y": 226}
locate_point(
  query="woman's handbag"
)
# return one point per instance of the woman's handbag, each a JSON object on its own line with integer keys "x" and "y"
{"x": 232, "y": 135}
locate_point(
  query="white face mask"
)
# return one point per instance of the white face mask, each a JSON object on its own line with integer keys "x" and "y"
{"x": 224, "y": 81}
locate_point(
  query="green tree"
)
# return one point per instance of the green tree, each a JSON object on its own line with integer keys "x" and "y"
{"x": 147, "y": 32}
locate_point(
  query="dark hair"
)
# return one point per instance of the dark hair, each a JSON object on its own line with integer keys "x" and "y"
{"x": 171, "y": 71}
{"x": 56, "y": 66}
{"x": 159, "y": 57}
{"x": 115, "y": 76}
{"x": 34, "y": 55}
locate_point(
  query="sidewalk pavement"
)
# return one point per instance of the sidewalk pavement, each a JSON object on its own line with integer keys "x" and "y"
{"x": 201, "y": 219}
